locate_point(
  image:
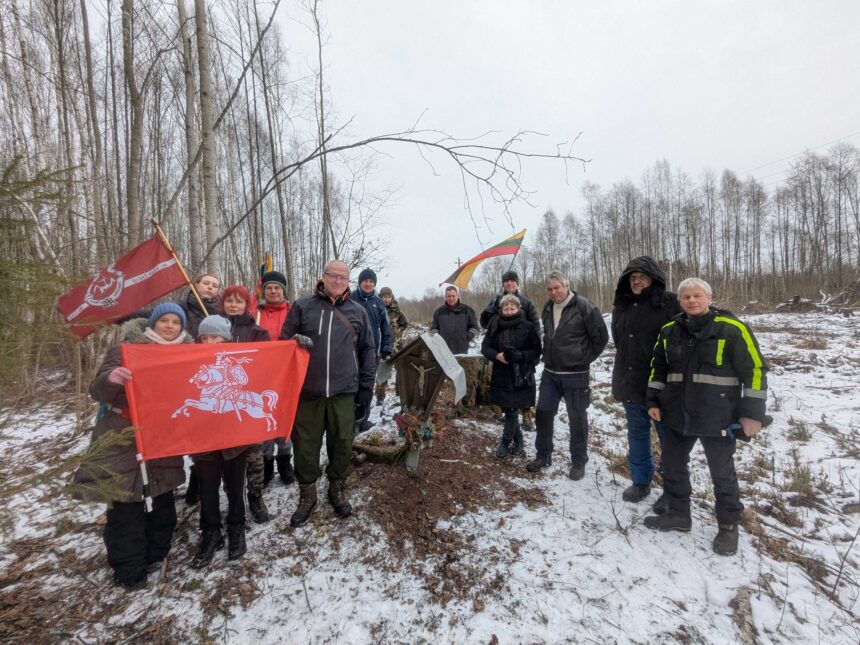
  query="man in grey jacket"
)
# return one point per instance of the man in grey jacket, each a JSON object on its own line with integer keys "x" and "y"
{"x": 574, "y": 336}
{"x": 341, "y": 372}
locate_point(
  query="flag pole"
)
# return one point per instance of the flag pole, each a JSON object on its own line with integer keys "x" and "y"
{"x": 179, "y": 264}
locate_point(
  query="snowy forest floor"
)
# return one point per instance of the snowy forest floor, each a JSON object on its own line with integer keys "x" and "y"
{"x": 478, "y": 550}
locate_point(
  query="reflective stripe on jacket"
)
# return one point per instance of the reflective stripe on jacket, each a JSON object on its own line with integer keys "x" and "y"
{"x": 707, "y": 380}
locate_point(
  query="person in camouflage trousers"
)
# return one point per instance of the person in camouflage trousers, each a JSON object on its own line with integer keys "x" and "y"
{"x": 398, "y": 323}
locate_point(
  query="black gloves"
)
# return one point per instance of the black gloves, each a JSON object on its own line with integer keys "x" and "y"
{"x": 303, "y": 341}
{"x": 513, "y": 355}
{"x": 364, "y": 396}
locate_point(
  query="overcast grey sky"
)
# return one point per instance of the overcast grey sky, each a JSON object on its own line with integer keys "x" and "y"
{"x": 730, "y": 84}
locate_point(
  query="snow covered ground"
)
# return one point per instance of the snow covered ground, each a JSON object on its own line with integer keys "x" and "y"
{"x": 571, "y": 564}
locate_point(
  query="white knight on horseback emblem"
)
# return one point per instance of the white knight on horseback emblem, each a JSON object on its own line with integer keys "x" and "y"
{"x": 222, "y": 390}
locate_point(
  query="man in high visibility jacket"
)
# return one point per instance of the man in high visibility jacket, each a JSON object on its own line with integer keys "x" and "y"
{"x": 707, "y": 377}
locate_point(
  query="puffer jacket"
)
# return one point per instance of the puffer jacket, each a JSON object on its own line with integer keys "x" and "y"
{"x": 378, "y": 317}
{"x": 114, "y": 475}
{"x": 194, "y": 314}
{"x": 271, "y": 317}
{"x": 636, "y": 322}
{"x": 580, "y": 338}
{"x": 343, "y": 358}
{"x": 528, "y": 307}
{"x": 704, "y": 380}
{"x": 245, "y": 330}
{"x": 458, "y": 326}
{"x": 512, "y": 384}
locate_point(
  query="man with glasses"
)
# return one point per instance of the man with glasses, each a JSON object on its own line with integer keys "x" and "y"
{"x": 341, "y": 371}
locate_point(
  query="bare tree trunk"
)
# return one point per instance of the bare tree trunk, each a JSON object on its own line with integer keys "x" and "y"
{"x": 210, "y": 196}
{"x": 132, "y": 190}
{"x": 96, "y": 138}
{"x": 327, "y": 228}
{"x": 191, "y": 142}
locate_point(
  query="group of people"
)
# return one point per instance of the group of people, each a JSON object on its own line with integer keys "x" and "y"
{"x": 693, "y": 371}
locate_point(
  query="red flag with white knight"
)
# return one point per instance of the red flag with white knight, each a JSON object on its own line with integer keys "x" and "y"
{"x": 142, "y": 275}
{"x": 185, "y": 399}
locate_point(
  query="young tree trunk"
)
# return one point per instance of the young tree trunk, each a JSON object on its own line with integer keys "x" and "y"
{"x": 191, "y": 141}
{"x": 135, "y": 151}
{"x": 207, "y": 136}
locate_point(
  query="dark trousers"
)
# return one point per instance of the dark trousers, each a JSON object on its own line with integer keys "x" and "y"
{"x": 135, "y": 538}
{"x": 719, "y": 452}
{"x": 317, "y": 416}
{"x": 573, "y": 388}
{"x": 210, "y": 474}
{"x": 639, "y": 443}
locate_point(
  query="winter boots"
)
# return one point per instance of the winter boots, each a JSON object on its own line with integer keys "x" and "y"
{"x": 307, "y": 503}
{"x": 517, "y": 447}
{"x": 338, "y": 499}
{"x": 257, "y": 507}
{"x": 636, "y": 493}
{"x": 669, "y": 522}
{"x": 285, "y": 469}
{"x": 576, "y": 472}
{"x": 661, "y": 506}
{"x": 512, "y": 424}
{"x": 192, "y": 493}
{"x": 210, "y": 542}
{"x": 539, "y": 463}
{"x": 268, "y": 470}
{"x": 236, "y": 541}
{"x": 726, "y": 540}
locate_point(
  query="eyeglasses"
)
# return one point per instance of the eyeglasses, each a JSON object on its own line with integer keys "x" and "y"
{"x": 335, "y": 277}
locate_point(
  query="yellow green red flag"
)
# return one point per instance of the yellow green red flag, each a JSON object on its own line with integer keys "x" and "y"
{"x": 464, "y": 272}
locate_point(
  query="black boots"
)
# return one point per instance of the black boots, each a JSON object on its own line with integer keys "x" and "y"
{"x": 512, "y": 427}
{"x": 285, "y": 469}
{"x": 669, "y": 522}
{"x": 236, "y": 541}
{"x": 307, "y": 503}
{"x": 726, "y": 540}
{"x": 636, "y": 493}
{"x": 576, "y": 472}
{"x": 192, "y": 493}
{"x": 661, "y": 506}
{"x": 539, "y": 463}
{"x": 338, "y": 499}
{"x": 268, "y": 470}
{"x": 257, "y": 507}
{"x": 517, "y": 447}
{"x": 210, "y": 542}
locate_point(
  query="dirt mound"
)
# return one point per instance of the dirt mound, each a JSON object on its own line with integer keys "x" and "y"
{"x": 418, "y": 512}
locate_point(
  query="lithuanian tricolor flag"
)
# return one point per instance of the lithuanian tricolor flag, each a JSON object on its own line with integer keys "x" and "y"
{"x": 464, "y": 272}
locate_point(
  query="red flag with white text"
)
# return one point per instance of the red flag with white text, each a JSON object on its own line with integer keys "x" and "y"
{"x": 142, "y": 275}
{"x": 186, "y": 399}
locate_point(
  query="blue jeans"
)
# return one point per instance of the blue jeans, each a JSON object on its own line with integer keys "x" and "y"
{"x": 639, "y": 442}
{"x": 573, "y": 388}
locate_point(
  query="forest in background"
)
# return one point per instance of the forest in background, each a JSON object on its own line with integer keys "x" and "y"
{"x": 114, "y": 113}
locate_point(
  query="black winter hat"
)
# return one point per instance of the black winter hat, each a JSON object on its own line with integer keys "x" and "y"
{"x": 274, "y": 276}
{"x": 510, "y": 275}
{"x": 367, "y": 274}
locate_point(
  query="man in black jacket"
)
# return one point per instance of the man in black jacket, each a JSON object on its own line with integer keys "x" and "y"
{"x": 341, "y": 372}
{"x": 708, "y": 383}
{"x": 574, "y": 335}
{"x": 642, "y": 306}
{"x": 455, "y": 322}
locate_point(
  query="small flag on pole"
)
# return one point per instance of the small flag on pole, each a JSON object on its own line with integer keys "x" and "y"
{"x": 464, "y": 272}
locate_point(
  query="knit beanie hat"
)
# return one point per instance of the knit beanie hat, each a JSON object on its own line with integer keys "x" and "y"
{"x": 274, "y": 276}
{"x": 167, "y": 308}
{"x": 386, "y": 291}
{"x": 511, "y": 275}
{"x": 367, "y": 274}
{"x": 215, "y": 326}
